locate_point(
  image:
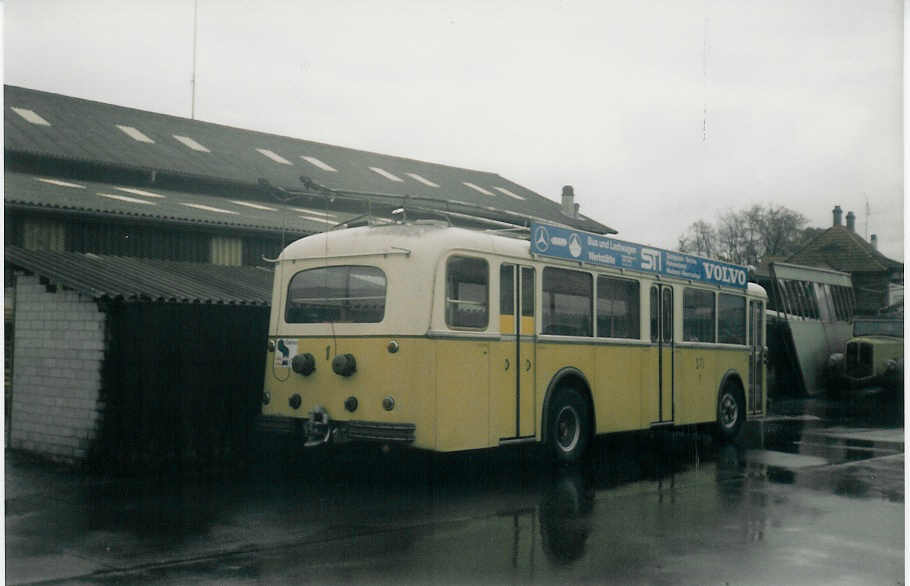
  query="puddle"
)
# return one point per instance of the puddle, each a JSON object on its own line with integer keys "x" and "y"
{"x": 783, "y": 459}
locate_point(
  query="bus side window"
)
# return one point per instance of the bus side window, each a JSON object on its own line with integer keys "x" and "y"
{"x": 617, "y": 308}
{"x": 567, "y": 303}
{"x": 731, "y": 319}
{"x": 467, "y": 292}
{"x": 698, "y": 315}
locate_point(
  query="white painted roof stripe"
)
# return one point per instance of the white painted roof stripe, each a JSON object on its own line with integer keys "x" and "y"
{"x": 423, "y": 180}
{"x": 315, "y": 219}
{"x": 135, "y": 134}
{"x": 314, "y": 212}
{"x": 60, "y": 183}
{"x": 191, "y": 143}
{"x": 479, "y": 188}
{"x": 30, "y": 116}
{"x": 127, "y": 199}
{"x": 317, "y": 163}
{"x": 275, "y": 156}
{"x": 386, "y": 174}
{"x": 254, "y": 205}
{"x": 507, "y": 192}
{"x": 199, "y": 206}
{"x": 135, "y": 191}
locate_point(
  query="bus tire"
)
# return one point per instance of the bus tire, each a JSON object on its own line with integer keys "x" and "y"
{"x": 731, "y": 411}
{"x": 569, "y": 426}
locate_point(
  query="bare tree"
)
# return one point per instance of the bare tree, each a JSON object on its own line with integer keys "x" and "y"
{"x": 700, "y": 239}
{"x": 747, "y": 236}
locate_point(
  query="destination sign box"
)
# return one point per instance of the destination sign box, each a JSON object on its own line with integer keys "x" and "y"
{"x": 553, "y": 241}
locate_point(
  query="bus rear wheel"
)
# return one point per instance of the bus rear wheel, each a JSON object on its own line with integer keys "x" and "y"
{"x": 569, "y": 426}
{"x": 731, "y": 412}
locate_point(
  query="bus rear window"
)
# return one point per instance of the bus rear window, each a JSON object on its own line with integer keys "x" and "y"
{"x": 341, "y": 294}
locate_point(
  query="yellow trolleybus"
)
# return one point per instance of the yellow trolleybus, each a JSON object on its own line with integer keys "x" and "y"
{"x": 450, "y": 339}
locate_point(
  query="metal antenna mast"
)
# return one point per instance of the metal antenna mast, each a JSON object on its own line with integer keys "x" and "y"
{"x": 193, "y": 80}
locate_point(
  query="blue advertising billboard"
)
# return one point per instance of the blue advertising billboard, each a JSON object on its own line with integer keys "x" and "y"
{"x": 557, "y": 242}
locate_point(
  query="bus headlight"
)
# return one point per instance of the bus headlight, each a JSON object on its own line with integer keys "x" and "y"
{"x": 266, "y": 397}
{"x": 388, "y": 403}
{"x": 295, "y": 401}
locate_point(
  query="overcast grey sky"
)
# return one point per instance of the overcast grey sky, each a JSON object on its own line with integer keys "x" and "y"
{"x": 658, "y": 113}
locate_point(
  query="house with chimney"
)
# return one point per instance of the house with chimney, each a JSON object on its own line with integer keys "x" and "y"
{"x": 877, "y": 279}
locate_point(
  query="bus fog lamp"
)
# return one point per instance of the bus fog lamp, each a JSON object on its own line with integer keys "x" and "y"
{"x": 266, "y": 398}
{"x": 393, "y": 347}
{"x": 351, "y": 404}
{"x": 388, "y": 403}
{"x": 295, "y": 401}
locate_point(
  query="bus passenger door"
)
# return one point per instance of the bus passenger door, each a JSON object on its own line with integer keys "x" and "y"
{"x": 513, "y": 368}
{"x": 661, "y": 298}
{"x": 756, "y": 357}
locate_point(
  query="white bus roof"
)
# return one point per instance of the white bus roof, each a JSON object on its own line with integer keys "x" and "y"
{"x": 431, "y": 237}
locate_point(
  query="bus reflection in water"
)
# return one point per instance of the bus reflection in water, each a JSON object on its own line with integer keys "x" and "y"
{"x": 450, "y": 339}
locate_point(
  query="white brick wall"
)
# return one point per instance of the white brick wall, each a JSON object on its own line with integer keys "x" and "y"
{"x": 58, "y": 350}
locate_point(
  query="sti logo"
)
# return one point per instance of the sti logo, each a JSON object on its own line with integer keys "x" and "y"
{"x": 650, "y": 259}
{"x": 541, "y": 239}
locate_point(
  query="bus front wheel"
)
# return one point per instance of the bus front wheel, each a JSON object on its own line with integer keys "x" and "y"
{"x": 731, "y": 412}
{"x": 568, "y": 434}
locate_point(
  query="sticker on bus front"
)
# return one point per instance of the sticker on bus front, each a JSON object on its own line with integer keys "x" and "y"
{"x": 285, "y": 350}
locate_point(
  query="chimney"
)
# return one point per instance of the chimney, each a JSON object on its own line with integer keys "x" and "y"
{"x": 837, "y": 215}
{"x": 568, "y": 201}
{"x": 851, "y": 221}
{"x": 874, "y": 240}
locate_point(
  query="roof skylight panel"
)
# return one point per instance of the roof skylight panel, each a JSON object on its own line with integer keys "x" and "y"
{"x": 507, "y": 192}
{"x": 191, "y": 143}
{"x": 479, "y": 189}
{"x": 313, "y": 212}
{"x": 30, "y": 116}
{"x": 256, "y": 206}
{"x": 135, "y": 134}
{"x": 200, "y": 206}
{"x": 315, "y": 219}
{"x": 274, "y": 156}
{"x": 423, "y": 180}
{"x": 60, "y": 183}
{"x": 386, "y": 174}
{"x": 127, "y": 199}
{"x": 135, "y": 191}
{"x": 317, "y": 163}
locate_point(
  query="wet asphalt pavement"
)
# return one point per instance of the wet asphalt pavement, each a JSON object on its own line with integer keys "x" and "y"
{"x": 812, "y": 495}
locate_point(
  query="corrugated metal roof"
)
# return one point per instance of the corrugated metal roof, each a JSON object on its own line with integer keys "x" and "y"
{"x": 134, "y": 279}
{"x": 844, "y": 250}
{"x": 84, "y": 130}
{"x": 164, "y": 205}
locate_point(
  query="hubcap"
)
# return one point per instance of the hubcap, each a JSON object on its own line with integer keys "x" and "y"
{"x": 729, "y": 410}
{"x": 568, "y": 428}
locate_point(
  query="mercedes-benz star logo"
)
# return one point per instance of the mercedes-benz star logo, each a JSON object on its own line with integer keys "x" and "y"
{"x": 541, "y": 239}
